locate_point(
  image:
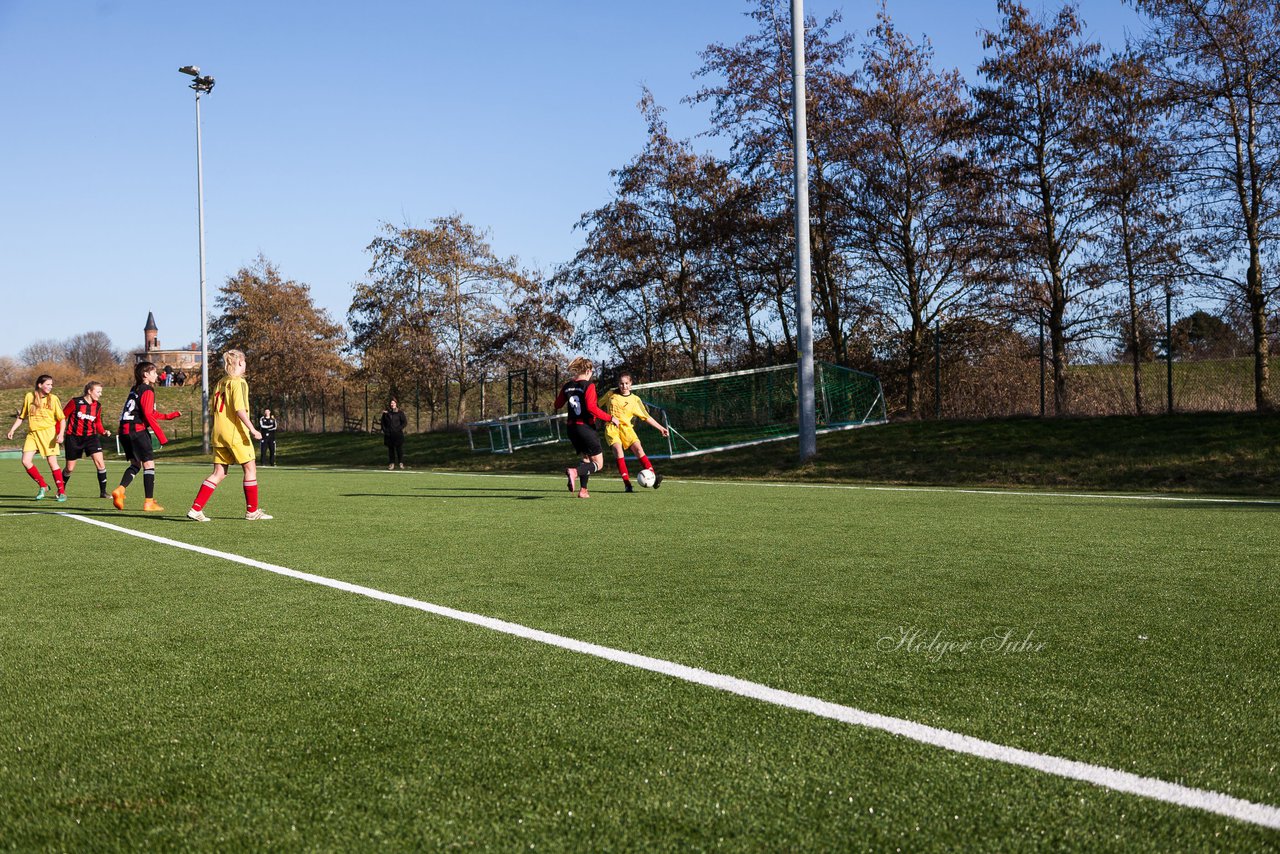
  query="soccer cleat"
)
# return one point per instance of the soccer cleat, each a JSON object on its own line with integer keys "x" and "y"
{"x": 391, "y": 467}
{"x": 41, "y": 494}
{"x": 572, "y": 474}
{"x": 627, "y": 487}
{"x": 62, "y": 496}
{"x": 102, "y": 493}
{"x": 257, "y": 515}
{"x": 150, "y": 505}
{"x": 117, "y": 497}
{"x": 582, "y": 493}
{"x": 197, "y": 516}
{"x": 402, "y": 466}
{"x": 657, "y": 480}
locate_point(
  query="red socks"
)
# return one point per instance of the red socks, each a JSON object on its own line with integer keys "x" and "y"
{"x": 35, "y": 475}
{"x": 622, "y": 469}
{"x": 203, "y": 496}
{"x": 57, "y": 478}
{"x": 207, "y": 488}
{"x": 644, "y": 461}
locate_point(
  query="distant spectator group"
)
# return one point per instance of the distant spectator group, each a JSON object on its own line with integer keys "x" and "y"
{"x": 170, "y": 377}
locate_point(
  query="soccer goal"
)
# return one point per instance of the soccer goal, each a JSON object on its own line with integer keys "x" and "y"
{"x": 511, "y": 432}
{"x": 734, "y": 410}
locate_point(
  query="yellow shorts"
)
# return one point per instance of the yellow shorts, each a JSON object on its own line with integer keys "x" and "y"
{"x": 623, "y": 433}
{"x": 41, "y": 441}
{"x": 232, "y": 455}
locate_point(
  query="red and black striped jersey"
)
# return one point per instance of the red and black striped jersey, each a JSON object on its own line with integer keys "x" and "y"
{"x": 84, "y": 417}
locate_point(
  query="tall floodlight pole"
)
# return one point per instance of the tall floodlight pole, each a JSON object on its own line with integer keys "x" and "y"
{"x": 202, "y": 86}
{"x": 804, "y": 296}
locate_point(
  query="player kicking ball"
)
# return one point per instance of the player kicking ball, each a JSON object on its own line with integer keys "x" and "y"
{"x": 578, "y": 395}
{"x": 233, "y": 438}
{"x": 625, "y": 408}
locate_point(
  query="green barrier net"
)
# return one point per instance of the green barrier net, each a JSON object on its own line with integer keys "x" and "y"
{"x": 722, "y": 411}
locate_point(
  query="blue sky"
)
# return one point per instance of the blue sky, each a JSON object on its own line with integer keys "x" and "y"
{"x": 330, "y": 118}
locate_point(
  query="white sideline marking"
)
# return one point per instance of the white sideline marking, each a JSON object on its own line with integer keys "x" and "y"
{"x": 1108, "y": 778}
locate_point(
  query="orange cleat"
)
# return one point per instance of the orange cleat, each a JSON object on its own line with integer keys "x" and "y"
{"x": 117, "y": 497}
{"x": 150, "y": 506}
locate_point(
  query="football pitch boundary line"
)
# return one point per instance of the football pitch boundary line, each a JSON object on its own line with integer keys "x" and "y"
{"x": 1218, "y": 803}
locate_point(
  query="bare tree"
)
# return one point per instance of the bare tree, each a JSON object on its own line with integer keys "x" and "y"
{"x": 914, "y": 191}
{"x": 91, "y": 352}
{"x": 13, "y": 374}
{"x": 43, "y": 351}
{"x": 443, "y": 292}
{"x": 1132, "y": 180}
{"x": 1033, "y": 114}
{"x": 1220, "y": 61}
{"x": 650, "y": 267}
{"x": 751, "y": 102}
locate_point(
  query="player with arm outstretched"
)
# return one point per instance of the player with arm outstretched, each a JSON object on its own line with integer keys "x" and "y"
{"x": 578, "y": 395}
{"x": 139, "y": 416}
{"x": 625, "y": 408}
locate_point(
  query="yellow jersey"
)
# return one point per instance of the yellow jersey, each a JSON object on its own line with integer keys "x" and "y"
{"x": 625, "y": 407}
{"x": 41, "y": 417}
{"x": 231, "y": 394}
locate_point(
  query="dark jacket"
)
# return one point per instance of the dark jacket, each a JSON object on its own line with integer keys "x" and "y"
{"x": 393, "y": 424}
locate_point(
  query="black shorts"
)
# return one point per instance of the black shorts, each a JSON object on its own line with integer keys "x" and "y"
{"x": 137, "y": 446}
{"x": 585, "y": 439}
{"x": 76, "y": 447}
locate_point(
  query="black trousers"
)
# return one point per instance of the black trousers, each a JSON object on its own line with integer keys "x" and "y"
{"x": 395, "y": 447}
{"x": 268, "y": 448}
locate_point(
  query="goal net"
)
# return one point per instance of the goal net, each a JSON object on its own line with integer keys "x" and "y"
{"x": 733, "y": 410}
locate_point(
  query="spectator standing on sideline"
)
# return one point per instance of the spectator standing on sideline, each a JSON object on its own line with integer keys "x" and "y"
{"x": 84, "y": 432}
{"x": 267, "y": 425}
{"x": 232, "y": 445}
{"x": 45, "y": 425}
{"x": 394, "y": 423}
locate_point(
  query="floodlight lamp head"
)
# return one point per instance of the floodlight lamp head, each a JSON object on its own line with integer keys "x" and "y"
{"x": 193, "y": 70}
{"x": 203, "y": 85}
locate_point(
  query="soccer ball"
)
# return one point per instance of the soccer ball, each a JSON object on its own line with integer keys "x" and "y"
{"x": 645, "y": 477}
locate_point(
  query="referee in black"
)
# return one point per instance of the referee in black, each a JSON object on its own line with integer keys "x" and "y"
{"x": 267, "y": 427}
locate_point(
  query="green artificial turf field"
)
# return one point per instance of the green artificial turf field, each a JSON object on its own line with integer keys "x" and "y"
{"x": 154, "y": 697}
